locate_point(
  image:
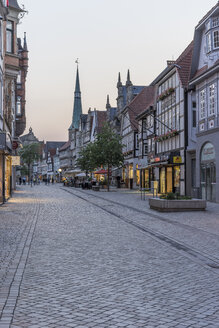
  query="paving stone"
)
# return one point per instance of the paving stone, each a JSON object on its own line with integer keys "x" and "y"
{"x": 79, "y": 266}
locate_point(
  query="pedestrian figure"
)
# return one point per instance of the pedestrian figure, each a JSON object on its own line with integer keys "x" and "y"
{"x": 20, "y": 180}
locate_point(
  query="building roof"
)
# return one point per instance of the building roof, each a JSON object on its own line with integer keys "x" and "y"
{"x": 140, "y": 103}
{"x": 53, "y": 145}
{"x": 184, "y": 62}
{"x": 208, "y": 14}
{"x": 14, "y": 4}
{"x": 101, "y": 119}
{"x": 29, "y": 137}
{"x": 65, "y": 146}
{"x": 200, "y": 71}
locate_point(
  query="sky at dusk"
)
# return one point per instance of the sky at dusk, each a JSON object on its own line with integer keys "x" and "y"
{"x": 108, "y": 37}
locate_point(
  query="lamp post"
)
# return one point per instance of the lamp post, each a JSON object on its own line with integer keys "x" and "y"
{"x": 60, "y": 173}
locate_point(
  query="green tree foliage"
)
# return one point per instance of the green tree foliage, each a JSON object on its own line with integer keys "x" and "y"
{"x": 86, "y": 160}
{"x": 108, "y": 149}
{"x": 29, "y": 154}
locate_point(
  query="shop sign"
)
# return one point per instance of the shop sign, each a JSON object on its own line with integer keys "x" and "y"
{"x": 208, "y": 152}
{"x": 2, "y": 140}
{"x": 16, "y": 160}
{"x": 177, "y": 159}
{"x": 155, "y": 159}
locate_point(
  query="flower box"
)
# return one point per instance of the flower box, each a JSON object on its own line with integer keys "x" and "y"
{"x": 178, "y": 205}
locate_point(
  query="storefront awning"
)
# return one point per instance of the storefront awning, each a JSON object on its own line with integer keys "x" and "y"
{"x": 101, "y": 172}
{"x": 81, "y": 175}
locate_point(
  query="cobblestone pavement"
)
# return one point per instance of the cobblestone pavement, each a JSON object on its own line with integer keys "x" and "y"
{"x": 70, "y": 258}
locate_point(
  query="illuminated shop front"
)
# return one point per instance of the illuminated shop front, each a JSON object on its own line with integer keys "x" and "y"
{"x": 167, "y": 170}
{"x": 8, "y": 177}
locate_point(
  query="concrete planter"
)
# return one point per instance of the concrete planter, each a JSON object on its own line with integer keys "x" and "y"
{"x": 165, "y": 205}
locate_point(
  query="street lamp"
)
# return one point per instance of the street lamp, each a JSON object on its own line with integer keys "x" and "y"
{"x": 60, "y": 171}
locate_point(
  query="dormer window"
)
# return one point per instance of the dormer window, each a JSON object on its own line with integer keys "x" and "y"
{"x": 215, "y": 21}
{"x": 216, "y": 39}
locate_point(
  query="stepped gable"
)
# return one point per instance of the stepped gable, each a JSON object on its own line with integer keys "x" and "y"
{"x": 140, "y": 103}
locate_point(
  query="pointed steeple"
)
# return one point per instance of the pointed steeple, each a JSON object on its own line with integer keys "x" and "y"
{"x": 119, "y": 84}
{"x": 108, "y": 103}
{"x": 25, "y": 42}
{"x": 128, "y": 82}
{"x": 77, "y": 110}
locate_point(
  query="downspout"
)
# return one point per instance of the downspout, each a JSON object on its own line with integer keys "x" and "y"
{"x": 185, "y": 135}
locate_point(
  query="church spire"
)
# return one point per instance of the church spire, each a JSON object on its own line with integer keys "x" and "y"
{"x": 119, "y": 84}
{"x": 128, "y": 82}
{"x": 77, "y": 109}
{"x": 108, "y": 103}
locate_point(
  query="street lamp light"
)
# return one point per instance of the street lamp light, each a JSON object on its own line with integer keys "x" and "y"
{"x": 60, "y": 171}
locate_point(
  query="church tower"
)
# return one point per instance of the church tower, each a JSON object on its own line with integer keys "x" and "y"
{"x": 77, "y": 109}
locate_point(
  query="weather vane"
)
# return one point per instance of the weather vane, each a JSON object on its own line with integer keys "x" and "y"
{"x": 77, "y": 61}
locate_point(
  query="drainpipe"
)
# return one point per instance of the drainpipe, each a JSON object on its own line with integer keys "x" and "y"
{"x": 185, "y": 135}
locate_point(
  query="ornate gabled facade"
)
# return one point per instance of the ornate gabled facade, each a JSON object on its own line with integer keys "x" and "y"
{"x": 204, "y": 108}
{"x": 169, "y": 163}
{"x": 130, "y": 136}
{"x": 13, "y": 62}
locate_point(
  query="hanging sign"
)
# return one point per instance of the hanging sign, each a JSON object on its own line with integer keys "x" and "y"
{"x": 16, "y": 160}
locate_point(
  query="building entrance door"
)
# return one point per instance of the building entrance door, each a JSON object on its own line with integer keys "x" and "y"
{"x": 208, "y": 173}
{"x": 208, "y": 182}
{"x": 169, "y": 179}
{"x": 162, "y": 181}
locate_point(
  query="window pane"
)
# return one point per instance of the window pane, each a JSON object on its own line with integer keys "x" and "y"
{"x": 9, "y": 42}
{"x": 9, "y": 25}
{"x": 216, "y": 39}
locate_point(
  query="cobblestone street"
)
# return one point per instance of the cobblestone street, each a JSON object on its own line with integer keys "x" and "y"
{"x": 74, "y": 258}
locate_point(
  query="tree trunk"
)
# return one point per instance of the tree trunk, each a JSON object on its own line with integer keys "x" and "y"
{"x": 108, "y": 177}
{"x": 28, "y": 173}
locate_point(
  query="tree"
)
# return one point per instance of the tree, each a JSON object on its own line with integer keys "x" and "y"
{"x": 29, "y": 154}
{"x": 86, "y": 160}
{"x": 108, "y": 149}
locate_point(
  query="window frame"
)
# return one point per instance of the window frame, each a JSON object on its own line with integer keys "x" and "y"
{"x": 10, "y": 32}
{"x": 212, "y": 99}
{"x": 202, "y": 102}
{"x": 215, "y": 39}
